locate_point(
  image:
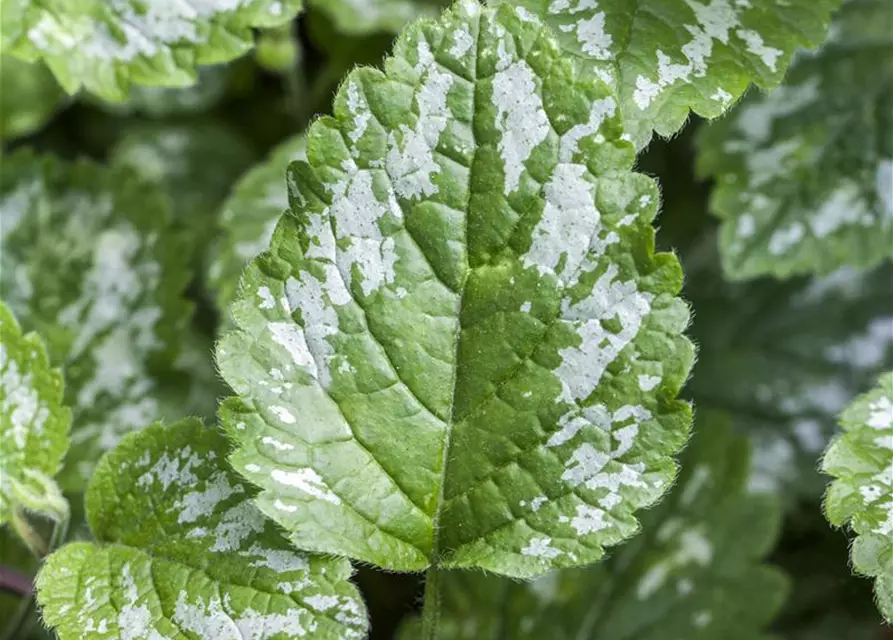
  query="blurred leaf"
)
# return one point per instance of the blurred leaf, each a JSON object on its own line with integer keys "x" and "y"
{"x": 108, "y": 46}
{"x": 784, "y": 358}
{"x": 159, "y": 102}
{"x": 366, "y": 16}
{"x": 805, "y": 173}
{"x": 90, "y": 261}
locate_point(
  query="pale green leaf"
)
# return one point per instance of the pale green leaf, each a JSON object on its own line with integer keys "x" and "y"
{"x": 365, "y": 16}
{"x": 249, "y": 216}
{"x": 108, "y": 45}
{"x": 861, "y": 495}
{"x": 34, "y": 424}
{"x": 461, "y": 327}
{"x": 805, "y": 173}
{"x": 666, "y": 57}
{"x": 182, "y": 553}
{"x": 787, "y": 360}
{"x": 29, "y": 96}
{"x": 694, "y": 573}
{"x": 90, "y": 262}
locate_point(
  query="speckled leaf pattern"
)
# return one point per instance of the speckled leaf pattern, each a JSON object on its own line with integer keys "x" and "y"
{"x": 181, "y": 552}
{"x": 29, "y": 96}
{"x": 367, "y": 16}
{"x": 694, "y": 573}
{"x": 108, "y": 45}
{"x": 34, "y": 423}
{"x": 666, "y": 57}
{"x": 249, "y": 216}
{"x": 90, "y": 262}
{"x": 805, "y": 173}
{"x": 787, "y": 362}
{"x": 861, "y": 495}
{"x": 462, "y": 327}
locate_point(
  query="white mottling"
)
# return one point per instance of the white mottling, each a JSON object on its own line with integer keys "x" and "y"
{"x": 647, "y": 382}
{"x": 593, "y": 38}
{"x": 308, "y": 481}
{"x": 21, "y": 405}
{"x": 218, "y": 619}
{"x": 135, "y": 621}
{"x": 755, "y": 119}
{"x": 701, "y": 619}
{"x": 411, "y": 164}
{"x": 361, "y": 114}
{"x": 537, "y": 502}
{"x": 569, "y": 221}
{"x": 541, "y": 548}
{"x": 266, "y": 298}
{"x": 197, "y": 504}
{"x": 599, "y": 111}
{"x": 277, "y": 444}
{"x": 252, "y": 468}
{"x": 755, "y": 44}
{"x": 844, "y": 206}
{"x": 588, "y": 520}
{"x": 746, "y": 227}
{"x": 520, "y": 118}
{"x": 290, "y": 336}
{"x": 462, "y": 42}
{"x": 880, "y": 414}
{"x": 721, "y": 96}
{"x": 283, "y": 414}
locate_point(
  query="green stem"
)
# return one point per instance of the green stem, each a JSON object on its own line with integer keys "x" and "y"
{"x": 431, "y": 609}
{"x": 21, "y": 620}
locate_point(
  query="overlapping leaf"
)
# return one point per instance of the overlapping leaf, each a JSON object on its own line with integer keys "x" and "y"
{"x": 105, "y": 46}
{"x": 805, "y": 173}
{"x": 249, "y": 217}
{"x": 693, "y": 573}
{"x": 861, "y": 495}
{"x": 366, "y": 16}
{"x": 787, "y": 361}
{"x": 34, "y": 423}
{"x": 460, "y": 348}
{"x": 161, "y": 102}
{"x": 90, "y": 262}
{"x": 29, "y": 95}
{"x": 666, "y": 57}
{"x": 181, "y": 552}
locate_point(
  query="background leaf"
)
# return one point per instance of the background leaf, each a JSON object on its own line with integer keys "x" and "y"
{"x": 666, "y": 57}
{"x": 29, "y": 96}
{"x": 805, "y": 173}
{"x": 182, "y": 552}
{"x": 107, "y": 46}
{"x": 89, "y": 260}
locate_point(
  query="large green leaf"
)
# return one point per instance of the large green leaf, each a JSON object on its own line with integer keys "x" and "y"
{"x": 182, "y": 553}
{"x": 365, "y": 16}
{"x": 107, "y": 45}
{"x": 786, "y": 361}
{"x": 666, "y": 57}
{"x": 861, "y": 495}
{"x": 805, "y": 173}
{"x": 34, "y": 423}
{"x": 249, "y": 216}
{"x": 29, "y": 96}
{"x": 460, "y": 348}
{"x": 694, "y": 573}
{"x": 90, "y": 262}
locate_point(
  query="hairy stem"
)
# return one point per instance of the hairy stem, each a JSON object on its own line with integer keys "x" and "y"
{"x": 431, "y": 609}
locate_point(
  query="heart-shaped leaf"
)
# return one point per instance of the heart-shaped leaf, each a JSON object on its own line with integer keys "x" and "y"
{"x": 460, "y": 349}
{"x": 181, "y": 552}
